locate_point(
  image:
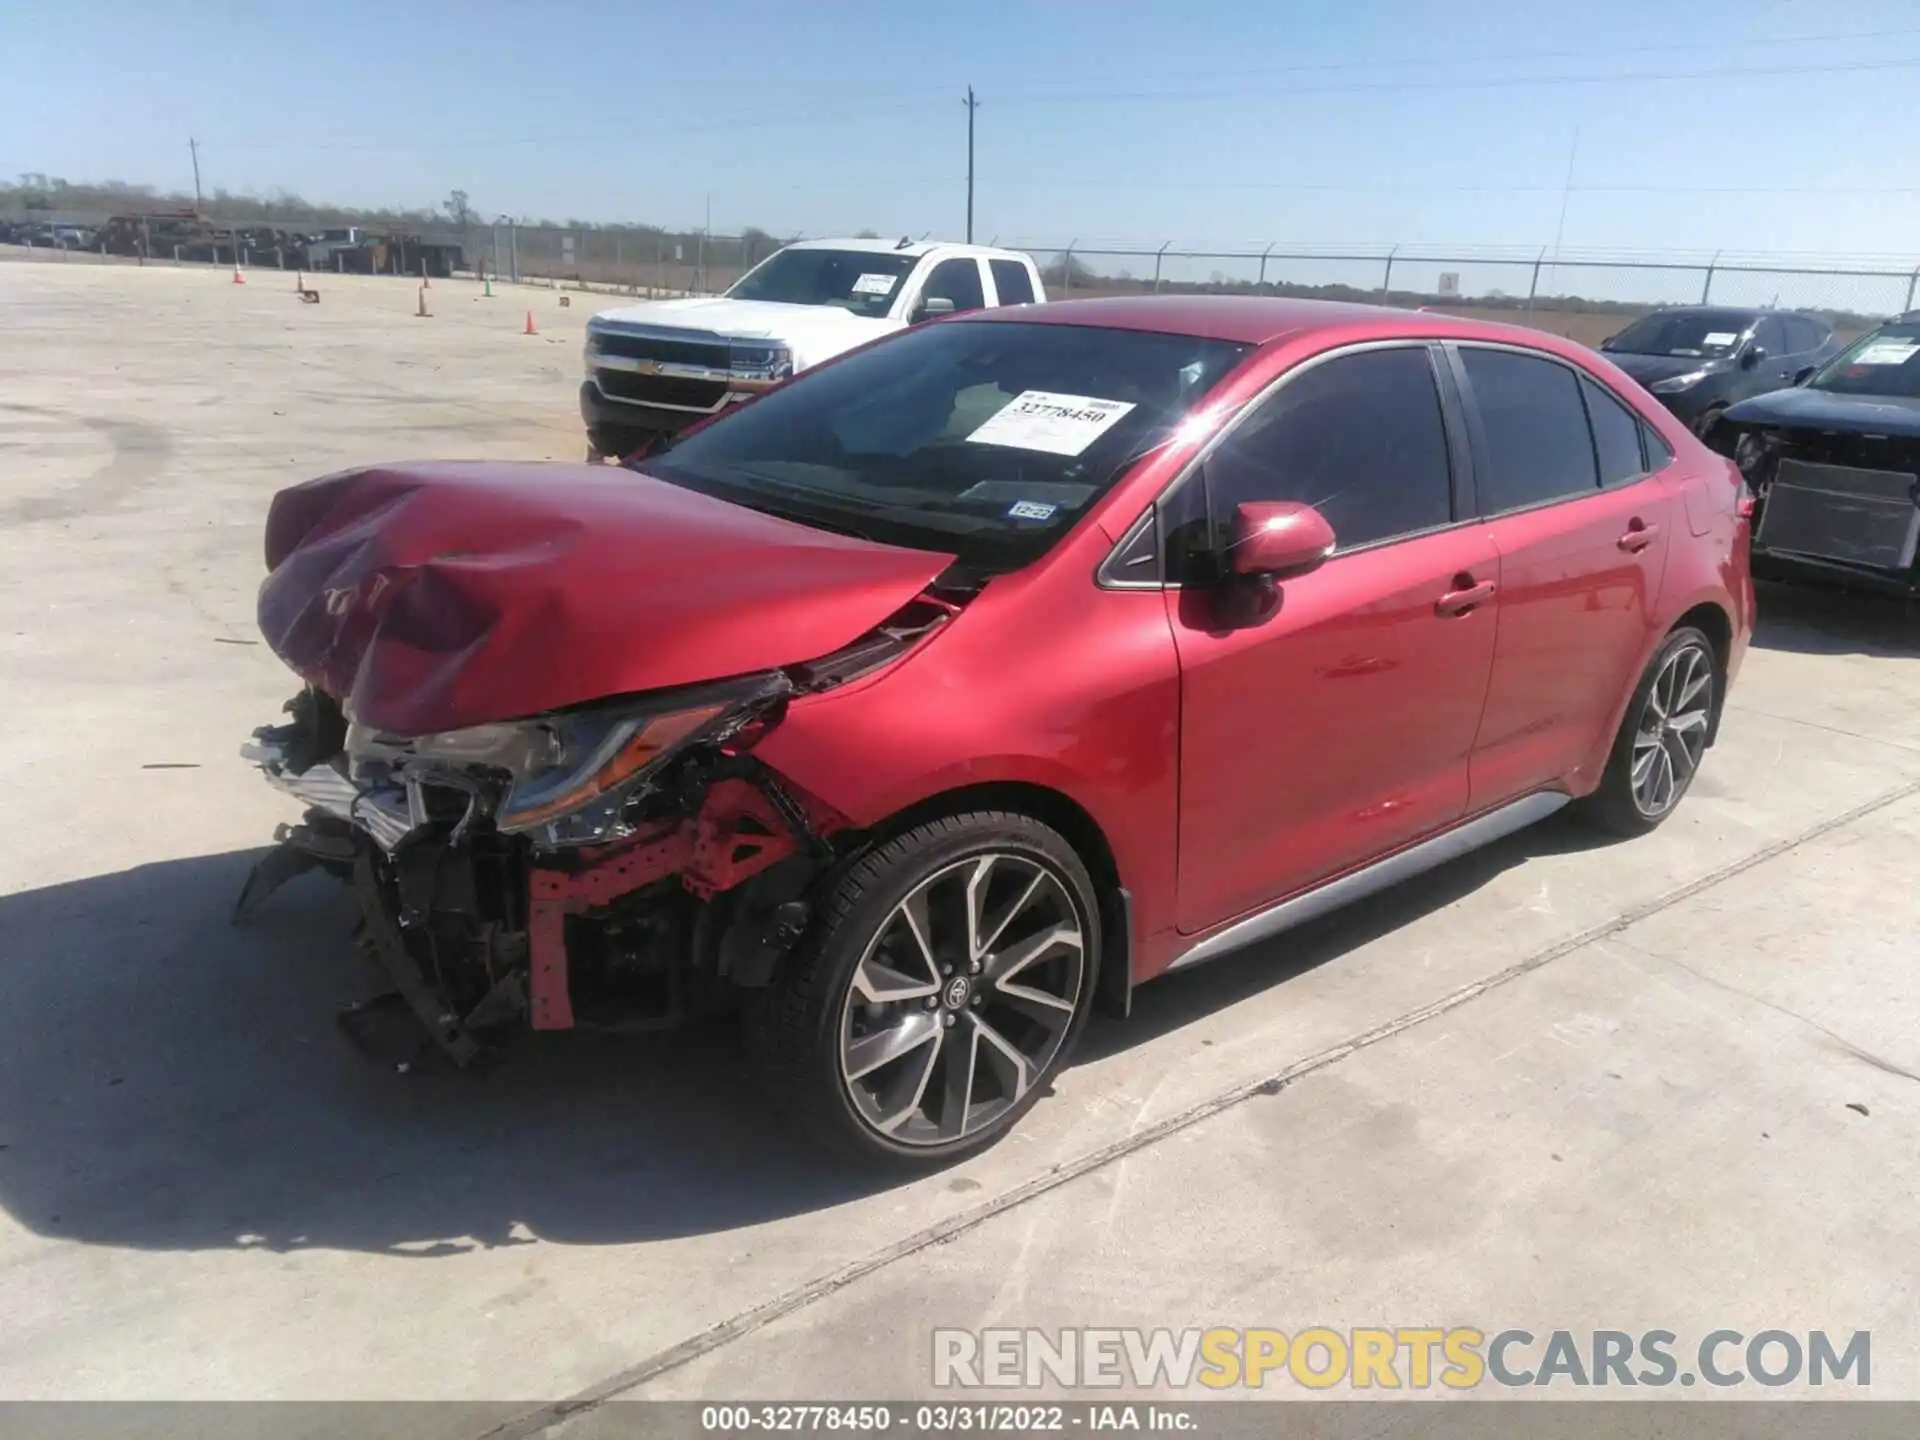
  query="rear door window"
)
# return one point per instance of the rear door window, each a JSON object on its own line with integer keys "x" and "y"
{"x": 1803, "y": 335}
{"x": 1534, "y": 432}
{"x": 956, "y": 280}
{"x": 1011, "y": 281}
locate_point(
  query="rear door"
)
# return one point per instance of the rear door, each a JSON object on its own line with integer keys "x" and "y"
{"x": 1775, "y": 368}
{"x": 1582, "y": 528}
{"x": 1333, "y": 724}
{"x": 959, "y": 279}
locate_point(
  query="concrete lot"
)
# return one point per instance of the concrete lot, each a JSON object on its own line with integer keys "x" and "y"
{"x": 1667, "y": 1084}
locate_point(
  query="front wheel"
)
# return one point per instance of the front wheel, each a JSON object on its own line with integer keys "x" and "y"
{"x": 946, "y": 978}
{"x": 1662, "y": 738}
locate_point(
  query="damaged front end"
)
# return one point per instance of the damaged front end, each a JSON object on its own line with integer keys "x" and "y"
{"x": 617, "y": 865}
{"x": 1830, "y": 501}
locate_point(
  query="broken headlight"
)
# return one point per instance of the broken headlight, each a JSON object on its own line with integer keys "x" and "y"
{"x": 570, "y": 773}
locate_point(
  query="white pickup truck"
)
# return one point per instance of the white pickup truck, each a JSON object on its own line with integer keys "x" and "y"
{"x": 658, "y": 367}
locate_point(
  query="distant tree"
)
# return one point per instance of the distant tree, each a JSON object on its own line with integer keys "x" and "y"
{"x": 459, "y": 211}
{"x": 866, "y": 234}
{"x": 1064, "y": 268}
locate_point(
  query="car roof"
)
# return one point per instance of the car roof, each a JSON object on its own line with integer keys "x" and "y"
{"x": 1263, "y": 320}
{"x": 1752, "y": 312}
{"x": 870, "y": 245}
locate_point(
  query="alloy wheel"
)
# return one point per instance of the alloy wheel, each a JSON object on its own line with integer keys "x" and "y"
{"x": 962, "y": 999}
{"x": 1672, "y": 733}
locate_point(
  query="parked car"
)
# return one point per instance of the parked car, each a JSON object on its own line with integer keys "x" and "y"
{"x": 1699, "y": 359}
{"x": 1835, "y": 464}
{"x": 655, "y": 368}
{"x": 988, "y": 672}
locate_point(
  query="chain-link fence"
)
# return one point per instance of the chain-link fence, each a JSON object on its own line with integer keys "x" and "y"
{"x": 639, "y": 261}
{"x": 1585, "y": 297}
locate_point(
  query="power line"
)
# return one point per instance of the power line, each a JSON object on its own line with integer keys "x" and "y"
{"x": 788, "y": 119}
{"x": 747, "y": 121}
{"x": 1429, "y": 60}
{"x": 1478, "y": 83}
{"x": 1136, "y": 182}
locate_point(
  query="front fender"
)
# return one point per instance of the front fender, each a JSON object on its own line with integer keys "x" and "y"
{"x": 1088, "y": 709}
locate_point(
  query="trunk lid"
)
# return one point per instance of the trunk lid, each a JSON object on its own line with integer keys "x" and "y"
{"x": 431, "y": 597}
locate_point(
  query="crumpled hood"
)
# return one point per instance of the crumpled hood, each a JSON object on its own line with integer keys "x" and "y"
{"x": 814, "y": 332}
{"x": 431, "y": 597}
{"x": 1649, "y": 368}
{"x": 1824, "y": 410}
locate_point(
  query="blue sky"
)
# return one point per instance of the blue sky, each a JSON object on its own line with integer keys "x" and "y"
{"x": 1743, "y": 126}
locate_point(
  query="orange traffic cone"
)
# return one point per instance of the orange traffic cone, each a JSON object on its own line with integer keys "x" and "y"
{"x": 238, "y": 278}
{"x": 422, "y": 313}
{"x": 532, "y": 329}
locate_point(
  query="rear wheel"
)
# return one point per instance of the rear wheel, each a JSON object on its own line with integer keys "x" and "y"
{"x": 948, "y": 975}
{"x": 1662, "y": 738}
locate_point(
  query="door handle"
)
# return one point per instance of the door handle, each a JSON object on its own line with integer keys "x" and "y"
{"x": 1465, "y": 597}
{"x": 1639, "y": 535}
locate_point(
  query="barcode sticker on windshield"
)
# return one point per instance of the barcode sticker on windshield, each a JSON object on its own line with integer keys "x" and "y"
{"x": 1721, "y": 337}
{"x": 875, "y": 284}
{"x": 1053, "y": 424}
{"x": 1886, "y": 352}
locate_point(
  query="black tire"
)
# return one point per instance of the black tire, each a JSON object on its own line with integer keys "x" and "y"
{"x": 1704, "y": 425}
{"x": 800, "y": 1027}
{"x": 1619, "y": 805}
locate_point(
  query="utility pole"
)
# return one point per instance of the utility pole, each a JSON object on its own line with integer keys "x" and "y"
{"x": 706, "y": 231}
{"x": 972, "y": 105}
{"x": 193, "y": 148}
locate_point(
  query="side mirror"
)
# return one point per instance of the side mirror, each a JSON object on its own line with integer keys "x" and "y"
{"x": 1805, "y": 374}
{"x": 1278, "y": 537}
{"x": 1752, "y": 356}
{"x": 933, "y": 307}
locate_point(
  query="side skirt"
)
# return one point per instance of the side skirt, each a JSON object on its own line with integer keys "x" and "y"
{"x": 1381, "y": 875}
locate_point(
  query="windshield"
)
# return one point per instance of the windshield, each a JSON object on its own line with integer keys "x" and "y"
{"x": 1690, "y": 334}
{"x": 863, "y": 281}
{"x": 1883, "y": 362}
{"x": 982, "y": 439}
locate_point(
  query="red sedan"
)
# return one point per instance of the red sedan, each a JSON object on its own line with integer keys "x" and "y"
{"x": 962, "y": 684}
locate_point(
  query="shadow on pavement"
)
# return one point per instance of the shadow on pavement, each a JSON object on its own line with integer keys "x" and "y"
{"x": 1823, "y": 620}
{"x": 170, "y": 1082}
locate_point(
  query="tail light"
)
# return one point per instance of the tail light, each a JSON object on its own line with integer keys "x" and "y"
{"x": 1743, "y": 506}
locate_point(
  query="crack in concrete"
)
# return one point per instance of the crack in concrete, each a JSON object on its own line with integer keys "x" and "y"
{"x": 1846, "y": 1046}
{"x": 1828, "y": 729}
{"x": 745, "y": 1323}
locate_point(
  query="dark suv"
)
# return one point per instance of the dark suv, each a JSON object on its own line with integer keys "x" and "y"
{"x": 1699, "y": 359}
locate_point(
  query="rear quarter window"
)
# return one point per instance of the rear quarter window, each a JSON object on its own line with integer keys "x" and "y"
{"x": 1616, "y": 436}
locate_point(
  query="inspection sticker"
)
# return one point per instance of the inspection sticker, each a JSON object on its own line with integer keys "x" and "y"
{"x": 1721, "y": 337}
{"x": 875, "y": 284}
{"x": 1886, "y": 352}
{"x": 1054, "y": 424}
{"x": 1030, "y": 510}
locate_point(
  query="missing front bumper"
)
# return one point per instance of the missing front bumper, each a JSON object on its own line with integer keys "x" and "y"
{"x": 1842, "y": 515}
